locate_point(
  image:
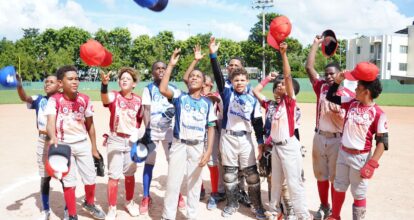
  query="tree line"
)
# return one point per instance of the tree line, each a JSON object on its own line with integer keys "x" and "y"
{"x": 38, "y": 54}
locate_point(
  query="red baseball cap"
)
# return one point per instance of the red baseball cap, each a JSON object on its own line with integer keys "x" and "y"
{"x": 92, "y": 53}
{"x": 280, "y": 28}
{"x": 108, "y": 58}
{"x": 364, "y": 71}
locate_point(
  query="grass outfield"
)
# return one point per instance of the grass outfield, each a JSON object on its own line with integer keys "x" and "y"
{"x": 386, "y": 99}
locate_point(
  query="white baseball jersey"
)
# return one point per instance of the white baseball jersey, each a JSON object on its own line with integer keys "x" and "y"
{"x": 192, "y": 116}
{"x": 39, "y": 104}
{"x": 329, "y": 116}
{"x": 70, "y": 116}
{"x": 361, "y": 123}
{"x": 126, "y": 114}
{"x": 283, "y": 120}
{"x": 160, "y": 122}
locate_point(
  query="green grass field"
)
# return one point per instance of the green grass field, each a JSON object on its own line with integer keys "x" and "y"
{"x": 386, "y": 99}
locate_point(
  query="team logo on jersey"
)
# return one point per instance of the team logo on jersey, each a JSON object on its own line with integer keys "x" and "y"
{"x": 81, "y": 109}
{"x": 157, "y": 97}
{"x": 65, "y": 110}
{"x": 187, "y": 107}
{"x": 122, "y": 104}
{"x": 361, "y": 115}
{"x": 202, "y": 110}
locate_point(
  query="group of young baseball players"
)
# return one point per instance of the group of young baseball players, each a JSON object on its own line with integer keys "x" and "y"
{"x": 201, "y": 126}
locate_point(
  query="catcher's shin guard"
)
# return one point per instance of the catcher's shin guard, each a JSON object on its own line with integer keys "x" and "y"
{"x": 358, "y": 213}
{"x": 230, "y": 183}
{"x": 253, "y": 182}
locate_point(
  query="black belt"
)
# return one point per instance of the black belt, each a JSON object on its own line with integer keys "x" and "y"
{"x": 280, "y": 142}
{"x": 328, "y": 134}
{"x": 190, "y": 142}
{"x": 236, "y": 133}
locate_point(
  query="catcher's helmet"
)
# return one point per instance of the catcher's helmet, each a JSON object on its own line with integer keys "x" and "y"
{"x": 58, "y": 161}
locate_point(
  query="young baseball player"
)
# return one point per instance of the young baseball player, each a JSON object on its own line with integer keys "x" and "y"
{"x": 234, "y": 63}
{"x": 364, "y": 119}
{"x": 194, "y": 114}
{"x": 286, "y": 155}
{"x": 271, "y": 106}
{"x": 328, "y": 130}
{"x": 159, "y": 115}
{"x": 214, "y": 165}
{"x": 70, "y": 121}
{"x": 38, "y": 103}
{"x": 126, "y": 115}
{"x": 241, "y": 112}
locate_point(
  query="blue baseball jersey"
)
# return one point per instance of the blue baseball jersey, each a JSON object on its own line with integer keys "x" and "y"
{"x": 192, "y": 116}
{"x": 39, "y": 104}
{"x": 161, "y": 113}
{"x": 239, "y": 109}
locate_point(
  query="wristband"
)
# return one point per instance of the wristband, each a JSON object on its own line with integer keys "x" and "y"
{"x": 265, "y": 82}
{"x": 213, "y": 55}
{"x": 104, "y": 88}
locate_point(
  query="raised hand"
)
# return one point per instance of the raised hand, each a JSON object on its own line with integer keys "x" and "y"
{"x": 283, "y": 47}
{"x": 213, "y": 46}
{"x": 175, "y": 56}
{"x": 318, "y": 40}
{"x": 339, "y": 77}
{"x": 197, "y": 52}
{"x": 105, "y": 77}
{"x": 272, "y": 75}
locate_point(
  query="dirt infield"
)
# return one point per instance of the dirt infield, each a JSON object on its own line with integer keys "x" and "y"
{"x": 389, "y": 194}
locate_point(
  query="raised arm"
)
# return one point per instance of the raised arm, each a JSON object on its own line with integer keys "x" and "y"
{"x": 164, "y": 90}
{"x": 104, "y": 87}
{"x": 331, "y": 95}
{"x": 258, "y": 89}
{"x": 197, "y": 57}
{"x": 286, "y": 71}
{"x": 218, "y": 75}
{"x": 310, "y": 62}
{"x": 22, "y": 94}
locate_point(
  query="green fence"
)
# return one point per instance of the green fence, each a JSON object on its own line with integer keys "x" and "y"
{"x": 389, "y": 86}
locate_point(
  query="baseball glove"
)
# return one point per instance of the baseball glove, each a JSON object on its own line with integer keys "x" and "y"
{"x": 265, "y": 163}
{"x": 99, "y": 165}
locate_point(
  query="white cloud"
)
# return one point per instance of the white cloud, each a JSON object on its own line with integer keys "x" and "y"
{"x": 137, "y": 29}
{"x": 19, "y": 14}
{"x": 366, "y": 17}
{"x": 229, "y": 6}
{"x": 229, "y": 30}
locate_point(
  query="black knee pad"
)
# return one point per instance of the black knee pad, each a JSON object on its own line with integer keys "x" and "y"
{"x": 45, "y": 185}
{"x": 230, "y": 174}
{"x": 252, "y": 175}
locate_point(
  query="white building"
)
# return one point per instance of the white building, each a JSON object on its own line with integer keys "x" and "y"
{"x": 393, "y": 54}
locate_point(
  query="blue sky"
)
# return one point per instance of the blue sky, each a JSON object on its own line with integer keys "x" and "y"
{"x": 224, "y": 18}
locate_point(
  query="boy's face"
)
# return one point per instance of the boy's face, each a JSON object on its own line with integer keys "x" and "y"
{"x": 329, "y": 74}
{"x": 158, "y": 71}
{"x": 361, "y": 92}
{"x": 70, "y": 82}
{"x": 239, "y": 83}
{"x": 280, "y": 90}
{"x": 51, "y": 85}
{"x": 126, "y": 82}
{"x": 195, "y": 80}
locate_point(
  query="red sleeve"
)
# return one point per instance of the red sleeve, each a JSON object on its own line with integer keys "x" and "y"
{"x": 317, "y": 85}
{"x": 346, "y": 105}
{"x": 265, "y": 104}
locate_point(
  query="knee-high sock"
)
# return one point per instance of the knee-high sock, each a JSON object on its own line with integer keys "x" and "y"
{"x": 129, "y": 187}
{"x": 337, "y": 202}
{"x": 323, "y": 190}
{"x": 214, "y": 175}
{"x": 70, "y": 199}
{"x": 44, "y": 191}
{"x": 146, "y": 179}
{"x": 90, "y": 194}
{"x": 112, "y": 191}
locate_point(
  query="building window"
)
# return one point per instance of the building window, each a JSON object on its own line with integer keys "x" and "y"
{"x": 371, "y": 49}
{"x": 403, "y": 49}
{"x": 389, "y": 48}
{"x": 358, "y": 50}
{"x": 389, "y": 66}
{"x": 403, "y": 66}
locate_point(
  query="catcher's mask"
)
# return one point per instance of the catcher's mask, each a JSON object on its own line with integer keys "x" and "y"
{"x": 142, "y": 148}
{"x": 58, "y": 161}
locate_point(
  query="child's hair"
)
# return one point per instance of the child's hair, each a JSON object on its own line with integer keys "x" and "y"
{"x": 158, "y": 61}
{"x": 239, "y": 71}
{"x": 60, "y": 73}
{"x": 129, "y": 70}
{"x": 211, "y": 79}
{"x": 374, "y": 87}
{"x": 333, "y": 64}
{"x": 279, "y": 79}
